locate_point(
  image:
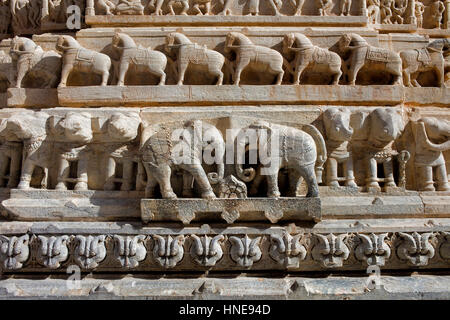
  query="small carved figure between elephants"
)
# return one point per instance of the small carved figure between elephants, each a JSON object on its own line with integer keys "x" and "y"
{"x": 265, "y": 59}
{"x": 416, "y": 61}
{"x": 121, "y": 130}
{"x": 73, "y": 133}
{"x": 75, "y": 57}
{"x": 361, "y": 54}
{"x": 436, "y": 11}
{"x": 131, "y": 7}
{"x": 44, "y": 67}
{"x": 432, "y": 137}
{"x": 165, "y": 147}
{"x": 187, "y": 53}
{"x": 283, "y": 147}
{"x": 138, "y": 58}
{"x": 345, "y": 7}
{"x": 309, "y": 55}
{"x": 373, "y": 11}
{"x": 374, "y": 143}
{"x": 419, "y": 9}
{"x": 324, "y": 7}
{"x": 338, "y": 135}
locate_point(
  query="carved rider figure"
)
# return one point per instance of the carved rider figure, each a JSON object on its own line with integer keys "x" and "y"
{"x": 419, "y": 9}
{"x": 436, "y": 10}
{"x": 130, "y": 7}
{"x": 324, "y": 6}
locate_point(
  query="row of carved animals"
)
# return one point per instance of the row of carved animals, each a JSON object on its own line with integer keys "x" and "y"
{"x": 131, "y": 155}
{"x": 299, "y": 56}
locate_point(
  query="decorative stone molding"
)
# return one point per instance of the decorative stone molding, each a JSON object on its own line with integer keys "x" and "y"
{"x": 14, "y": 251}
{"x": 373, "y": 249}
{"x": 416, "y": 248}
{"x": 90, "y": 250}
{"x": 245, "y": 251}
{"x": 168, "y": 250}
{"x": 129, "y": 250}
{"x": 206, "y": 251}
{"x": 52, "y": 250}
{"x": 330, "y": 250}
{"x": 287, "y": 250}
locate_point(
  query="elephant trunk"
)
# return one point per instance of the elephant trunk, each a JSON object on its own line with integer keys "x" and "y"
{"x": 216, "y": 177}
{"x": 248, "y": 174}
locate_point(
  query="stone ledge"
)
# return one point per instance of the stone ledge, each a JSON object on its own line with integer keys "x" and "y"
{"x": 231, "y": 210}
{"x": 187, "y": 95}
{"x": 27, "y": 97}
{"x": 415, "y": 287}
{"x": 179, "y": 20}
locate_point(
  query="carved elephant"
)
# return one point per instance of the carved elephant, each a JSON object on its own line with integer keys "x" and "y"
{"x": 338, "y": 135}
{"x": 432, "y": 137}
{"x": 164, "y": 147}
{"x": 121, "y": 130}
{"x": 284, "y": 147}
{"x": 75, "y": 57}
{"x": 361, "y": 54}
{"x": 31, "y": 61}
{"x": 30, "y": 128}
{"x": 430, "y": 58}
{"x": 374, "y": 142}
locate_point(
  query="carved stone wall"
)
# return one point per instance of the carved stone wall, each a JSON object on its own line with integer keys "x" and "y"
{"x": 259, "y": 137}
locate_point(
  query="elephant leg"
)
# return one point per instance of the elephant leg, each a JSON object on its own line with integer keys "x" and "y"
{"x": 388, "y": 173}
{"x": 151, "y": 181}
{"x": 27, "y": 172}
{"x": 123, "y": 68}
{"x": 332, "y": 169}
{"x": 181, "y": 71}
{"x": 372, "y": 173}
{"x": 407, "y": 78}
{"x": 272, "y": 186}
{"x": 14, "y": 169}
{"x": 63, "y": 174}
{"x": 110, "y": 169}
{"x": 294, "y": 182}
{"x": 140, "y": 177}
{"x": 441, "y": 178}
{"x": 308, "y": 173}
{"x": 425, "y": 178}
{"x": 440, "y": 75}
{"x": 188, "y": 184}
{"x": 280, "y": 74}
{"x": 348, "y": 169}
{"x": 82, "y": 175}
{"x": 127, "y": 175}
{"x": 162, "y": 174}
{"x": 66, "y": 70}
{"x": 200, "y": 176}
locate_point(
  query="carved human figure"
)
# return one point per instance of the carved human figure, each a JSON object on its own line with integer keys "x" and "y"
{"x": 419, "y": 9}
{"x": 324, "y": 6}
{"x": 168, "y": 146}
{"x": 75, "y": 57}
{"x": 187, "y": 53}
{"x": 430, "y": 58}
{"x": 375, "y": 143}
{"x": 138, "y": 58}
{"x": 30, "y": 129}
{"x": 5, "y": 16}
{"x": 121, "y": 130}
{"x": 309, "y": 55}
{"x": 57, "y": 9}
{"x": 199, "y": 4}
{"x": 386, "y": 11}
{"x": 373, "y": 11}
{"x": 266, "y": 59}
{"x": 338, "y": 135}
{"x": 276, "y": 6}
{"x": 73, "y": 133}
{"x": 298, "y": 5}
{"x": 33, "y": 62}
{"x": 345, "y": 7}
{"x": 131, "y": 7}
{"x": 398, "y": 10}
{"x": 432, "y": 137}
{"x": 360, "y": 54}
{"x": 436, "y": 10}
{"x": 25, "y": 15}
{"x": 284, "y": 147}
{"x": 106, "y": 6}
{"x": 184, "y": 6}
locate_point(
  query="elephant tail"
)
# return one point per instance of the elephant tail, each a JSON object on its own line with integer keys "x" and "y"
{"x": 321, "y": 149}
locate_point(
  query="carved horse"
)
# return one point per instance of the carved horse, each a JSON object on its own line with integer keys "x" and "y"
{"x": 139, "y": 58}
{"x": 309, "y": 55}
{"x": 188, "y": 52}
{"x": 267, "y": 59}
{"x": 429, "y": 58}
{"x": 362, "y": 54}
{"x": 30, "y": 59}
{"x": 75, "y": 57}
